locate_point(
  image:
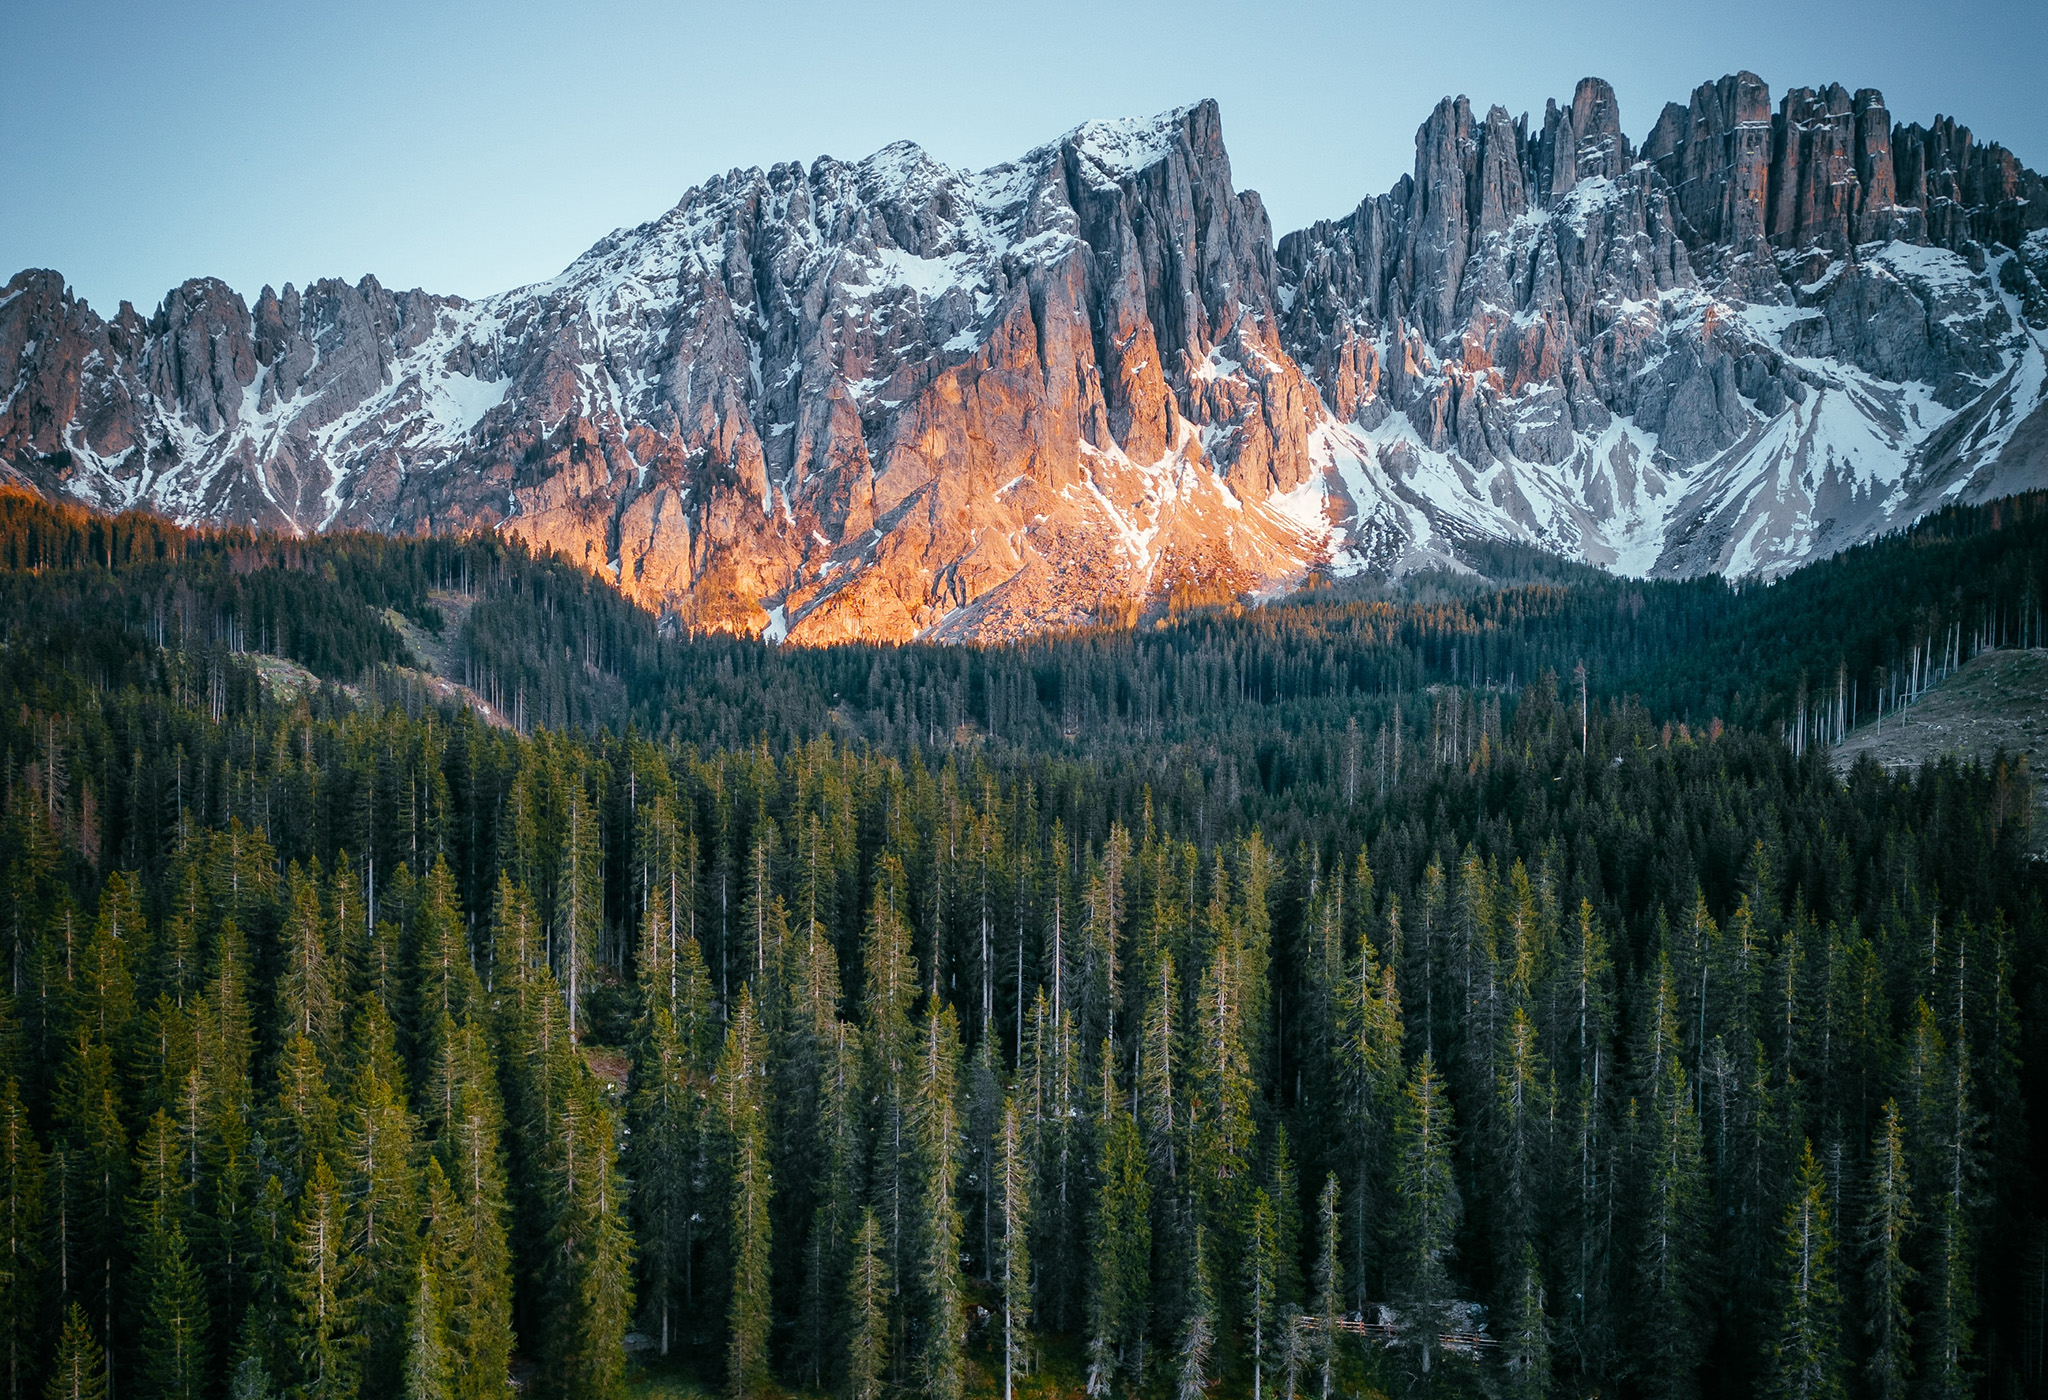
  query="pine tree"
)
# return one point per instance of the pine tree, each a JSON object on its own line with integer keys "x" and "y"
{"x": 741, "y": 1079}
{"x": 304, "y": 1122}
{"x": 1888, "y": 1234}
{"x": 889, "y": 987}
{"x": 1013, "y": 1188}
{"x": 80, "y": 1372}
{"x": 1806, "y": 1359}
{"x": 867, "y": 1306}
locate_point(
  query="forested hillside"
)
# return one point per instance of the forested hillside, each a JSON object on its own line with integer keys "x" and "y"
{"x": 1315, "y": 997}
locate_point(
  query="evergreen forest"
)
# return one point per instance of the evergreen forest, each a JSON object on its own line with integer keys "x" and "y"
{"x": 429, "y": 976}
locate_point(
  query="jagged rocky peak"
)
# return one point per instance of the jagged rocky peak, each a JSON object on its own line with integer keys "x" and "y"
{"x": 886, "y": 398}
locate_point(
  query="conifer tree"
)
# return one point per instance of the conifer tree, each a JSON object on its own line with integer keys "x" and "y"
{"x": 444, "y": 983}
{"x": 1264, "y": 1317}
{"x": 1223, "y": 1084}
{"x": 936, "y": 1125}
{"x": 89, "y": 1114}
{"x": 175, "y": 1320}
{"x": 743, "y": 1125}
{"x": 304, "y": 1122}
{"x": 1119, "y": 1299}
{"x": 1013, "y": 1191}
{"x": 1806, "y": 1358}
{"x": 383, "y": 1187}
{"x": 579, "y": 899}
{"x": 1198, "y": 1327}
{"x": 21, "y": 1253}
{"x": 889, "y": 985}
{"x": 80, "y": 1372}
{"x": 867, "y": 1305}
{"x": 1888, "y": 1234}
{"x": 477, "y": 1284}
{"x": 839, "y": 1195}
{"x": 661, "y": 1157}
{"x": 589, "y": 1283}
{"x": 309, "y": 989}
{"x": 1527, "y": 1343}
{"x": 325, "y": 1344}
{"x": 1427, "y": 1204}
{"x": 429, "y": 1366}
{"x": 1329, "y": 1280}
{"x": 1671, "y": 1187}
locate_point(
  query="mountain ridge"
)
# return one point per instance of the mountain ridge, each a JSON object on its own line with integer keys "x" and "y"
{"x": 886, "y": 398}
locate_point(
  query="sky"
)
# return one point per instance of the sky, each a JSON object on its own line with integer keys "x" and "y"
{"x": 471, "y": 148}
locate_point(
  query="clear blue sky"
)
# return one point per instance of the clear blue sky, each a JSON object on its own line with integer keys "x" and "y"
{"x": 469, "y": 148}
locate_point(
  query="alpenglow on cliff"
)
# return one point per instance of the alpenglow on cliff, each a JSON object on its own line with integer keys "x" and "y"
{"x": 890, "y": 399}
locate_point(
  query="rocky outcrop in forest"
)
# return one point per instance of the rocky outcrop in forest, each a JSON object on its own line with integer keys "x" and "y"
{"x": 890, "y": 399}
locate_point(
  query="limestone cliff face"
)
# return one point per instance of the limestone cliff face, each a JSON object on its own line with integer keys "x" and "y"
{"x": 890, "y": 399}
{"x": 1766, "y": 335}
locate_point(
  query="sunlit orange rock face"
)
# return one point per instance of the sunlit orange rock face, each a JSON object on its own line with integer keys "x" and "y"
{"x": 889, "y": 399}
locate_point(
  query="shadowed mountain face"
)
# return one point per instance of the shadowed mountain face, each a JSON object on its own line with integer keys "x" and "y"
{"x": 889, "y": 398}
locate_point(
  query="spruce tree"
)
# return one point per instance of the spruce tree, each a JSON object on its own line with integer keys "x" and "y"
{"x": 1806, "y": 1358}
{"x": 1888, "y": 1236}
{"x": 661, "y": 1156}
{"x": 429, "y": 1365}
{"x": 1671, "y": 1194}
{"x": 1119, "y": 1298}
{"x": 1264, "y": 1318}
{"x": 867, "y": 1305}
{"x": 1013, "y": 1192}
{"x": 174, "y": 1318}
{"x": 936, "y": 1128}
{"x": 1527, "y": 1341}
{"x": 80, "y": 1370}
{"x": 325, "y": 1344}
{"x": 1427, "y": 1205}
{"x": 383, "y": 1186}
{"x": 743, "y": 1125}
{"x": 1329, "y": 1285}
{"x": 21, "y": 1225}
{"x": 309, "y": 985}
{"x": 1198, "y": 1326}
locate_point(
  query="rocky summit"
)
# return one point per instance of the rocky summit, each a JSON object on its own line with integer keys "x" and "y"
{"x": 890, "y": 399}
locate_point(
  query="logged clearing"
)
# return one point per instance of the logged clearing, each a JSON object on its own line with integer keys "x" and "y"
{"x": 1997, "y": 702}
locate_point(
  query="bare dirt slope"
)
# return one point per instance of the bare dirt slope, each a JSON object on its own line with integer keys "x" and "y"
{"x": 1998, "y": 702}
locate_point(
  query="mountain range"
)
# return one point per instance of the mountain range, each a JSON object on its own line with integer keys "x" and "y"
{"x": 890, "y": 399}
